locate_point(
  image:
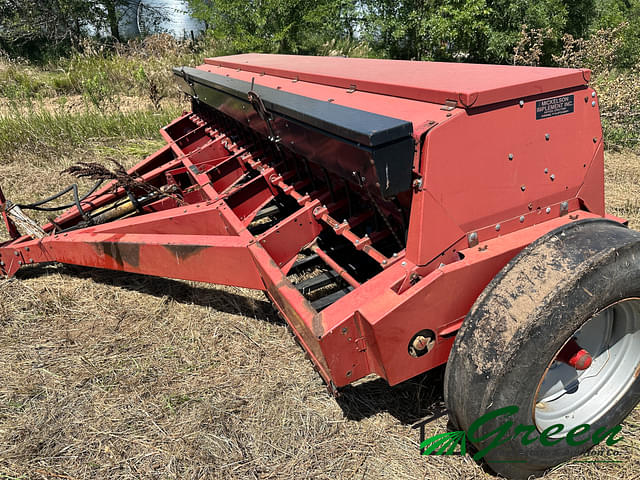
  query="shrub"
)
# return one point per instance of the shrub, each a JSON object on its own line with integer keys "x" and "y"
{"x": 618, "y": 87}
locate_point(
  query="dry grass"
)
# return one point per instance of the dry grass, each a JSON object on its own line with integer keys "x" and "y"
{"x": 73, "y": 104}
{"x": 622, "y": 186}
{"x": 109, "y": 375}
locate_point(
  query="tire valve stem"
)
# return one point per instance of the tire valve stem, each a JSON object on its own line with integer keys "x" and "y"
{"x": 575, "y": 356}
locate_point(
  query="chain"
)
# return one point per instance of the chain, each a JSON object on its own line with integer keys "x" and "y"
{"x": 385, "y": 219}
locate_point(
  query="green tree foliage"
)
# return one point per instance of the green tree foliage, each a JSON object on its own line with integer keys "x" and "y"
{"x": 549, "y": 16}
{"x": 447, "y": 30}
{"x": 470, "y": 30}
{"x": 282, "y": 26}
{"x": 37, "y": 27}
{"x": 611, "y": 13}
{"x": 463, "y": 30}
{"x": 420, "y": 30}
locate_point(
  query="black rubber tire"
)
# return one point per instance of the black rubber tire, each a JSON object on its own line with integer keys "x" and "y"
{"x": 519, "y": 323}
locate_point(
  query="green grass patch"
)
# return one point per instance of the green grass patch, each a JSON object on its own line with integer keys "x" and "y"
{"x": 46, "y": 131}
{"x": 100, "y": 72}
{"x": 621, "y": 137}
{"x": 139, "y": 148}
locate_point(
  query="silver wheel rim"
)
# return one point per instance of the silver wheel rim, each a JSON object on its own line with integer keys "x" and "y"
{"x": 571, "y": 397}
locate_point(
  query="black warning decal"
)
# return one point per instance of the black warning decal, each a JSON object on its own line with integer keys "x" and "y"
{"x": 551, "y": 107}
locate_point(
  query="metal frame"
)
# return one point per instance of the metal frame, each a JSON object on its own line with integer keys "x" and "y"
{"x": 254, "y": 212}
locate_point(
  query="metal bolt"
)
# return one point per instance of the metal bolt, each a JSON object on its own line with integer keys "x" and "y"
{"x": 404, "y": 264}
{"x": 473, "y": 239}
{"x": 523, "y": 188}
{"x": 27, "y": 249}
{"x": 548, "y": 210}
{"x": 595, "y": 139}
{"x": 395, "y": 255}
{"x": 511, "y": 156}
{"x": 521, "y": 103}
{"x": 16, "y": 253}
{"x": 20, "y": 262}
{"x": 521, "y": 218}
{"x": 546, "y": 170}
{"x": 593, "y": 104}
{"x": 31, "y": 260}
{"x": 552, "y": 177}
{"x": 498, "y": 227}
{"x": 1, "y": 263}
{"x": 384, "y": 262}
{"x": 593, "y": 94}
{"x": 357, "y": 242}
{"x": 546, "y": 136}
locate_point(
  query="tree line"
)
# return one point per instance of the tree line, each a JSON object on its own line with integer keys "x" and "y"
{"x": 35, "y": 28}
{"x": 484, "y": 31}
{"x": 454, "y": 30}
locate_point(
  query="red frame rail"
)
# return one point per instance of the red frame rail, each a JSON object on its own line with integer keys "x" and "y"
{"x": 252, "y": 214}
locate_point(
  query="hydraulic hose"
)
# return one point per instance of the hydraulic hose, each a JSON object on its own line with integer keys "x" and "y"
{"x": 77, "y": 200}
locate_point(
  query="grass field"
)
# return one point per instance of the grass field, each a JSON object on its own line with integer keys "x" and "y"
{"x": 109, "y": 375}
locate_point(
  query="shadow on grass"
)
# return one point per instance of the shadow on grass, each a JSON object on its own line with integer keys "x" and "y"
{"x": 416, "y": 402}
{"x": 177, "y": 290}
